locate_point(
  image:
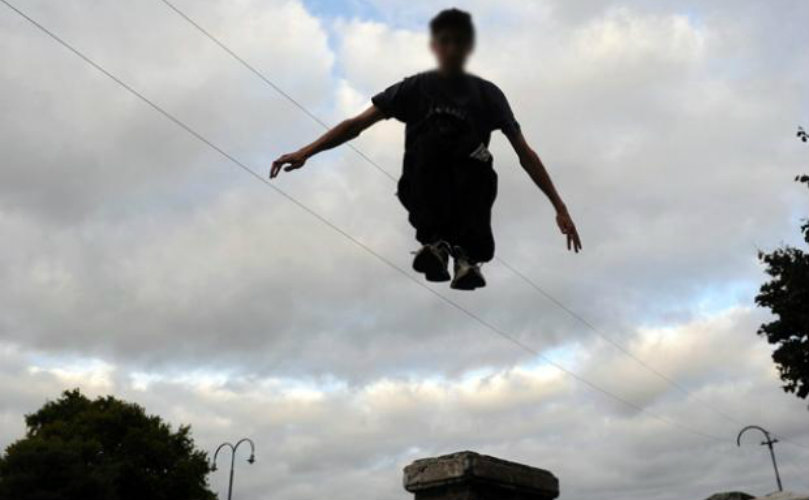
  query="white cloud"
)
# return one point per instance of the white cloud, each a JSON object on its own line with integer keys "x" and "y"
{"x": 362, "y": 434}
{"x": 623, "y": 37}
{"x": 143, "y": 265}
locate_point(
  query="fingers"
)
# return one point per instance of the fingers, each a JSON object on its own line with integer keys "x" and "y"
{"x": 277, "y": 165}
{"x": 573, "y": 237}
{"x": 287, "y": 163}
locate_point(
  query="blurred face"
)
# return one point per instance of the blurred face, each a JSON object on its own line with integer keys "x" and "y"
{"x": 451, "y": 49}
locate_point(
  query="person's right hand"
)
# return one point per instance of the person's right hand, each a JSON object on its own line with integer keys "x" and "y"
{"x": 287, "y": 162}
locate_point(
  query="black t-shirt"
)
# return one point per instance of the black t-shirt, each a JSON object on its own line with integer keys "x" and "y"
{"x": 414, "y": 98}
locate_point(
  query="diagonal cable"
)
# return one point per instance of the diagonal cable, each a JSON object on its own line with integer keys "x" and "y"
{"x": 489, "y": 326}
{"x": 272, "y": 84}
{"x": 670, "y": 381}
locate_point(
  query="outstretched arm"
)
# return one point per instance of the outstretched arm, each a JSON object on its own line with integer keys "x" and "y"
{"x": 532, "y": 164}
{"x": 339, "y": 134}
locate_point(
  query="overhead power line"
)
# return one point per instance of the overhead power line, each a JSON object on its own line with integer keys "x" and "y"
{"x": 667, "y": 379}
{"x": 533, "y": 284}
{"x": 272, "y": 84}
{"x": 487, "y": 325}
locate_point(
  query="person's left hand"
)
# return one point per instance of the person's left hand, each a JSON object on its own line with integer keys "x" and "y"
{"x": 568, "y": 228}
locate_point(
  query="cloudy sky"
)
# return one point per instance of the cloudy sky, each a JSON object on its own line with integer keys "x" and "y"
{"x": 135, "y": 261}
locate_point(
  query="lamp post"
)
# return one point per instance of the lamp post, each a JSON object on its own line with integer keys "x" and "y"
{"x": 769, "y": 442}
{"x": 233, "y": 449}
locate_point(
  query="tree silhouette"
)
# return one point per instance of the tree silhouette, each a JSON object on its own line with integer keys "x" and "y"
{"x": 787, "y": 296}
{"x": 103, "y": 449}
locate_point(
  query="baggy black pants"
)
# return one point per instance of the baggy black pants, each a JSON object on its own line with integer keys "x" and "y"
{"x": 450, "y": 198}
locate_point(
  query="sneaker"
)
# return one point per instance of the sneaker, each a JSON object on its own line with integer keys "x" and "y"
{"x": 432, "y": 261}
{"x": 467, "y": 272}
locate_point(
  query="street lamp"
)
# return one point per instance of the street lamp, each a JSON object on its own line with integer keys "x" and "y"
{"x": 769, "y": 442}
{"x": 233, "y": 449}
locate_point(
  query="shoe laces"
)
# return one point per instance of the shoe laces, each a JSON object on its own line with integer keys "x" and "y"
{"x": 440, "y": 245}
{"x": 443, "y": 246}
{"x": 460, "y": 255}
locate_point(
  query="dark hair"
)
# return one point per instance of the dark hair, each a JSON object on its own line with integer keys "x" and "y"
{"x": 455, "y": 20}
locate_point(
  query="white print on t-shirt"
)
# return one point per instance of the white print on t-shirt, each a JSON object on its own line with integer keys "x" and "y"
{"x": 481, "y": 153}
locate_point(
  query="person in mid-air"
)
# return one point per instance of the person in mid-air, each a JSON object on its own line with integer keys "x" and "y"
{"x": 448, "y": 185}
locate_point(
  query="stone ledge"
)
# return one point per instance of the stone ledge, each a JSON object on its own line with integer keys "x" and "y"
{"x": 469, "y": 472}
